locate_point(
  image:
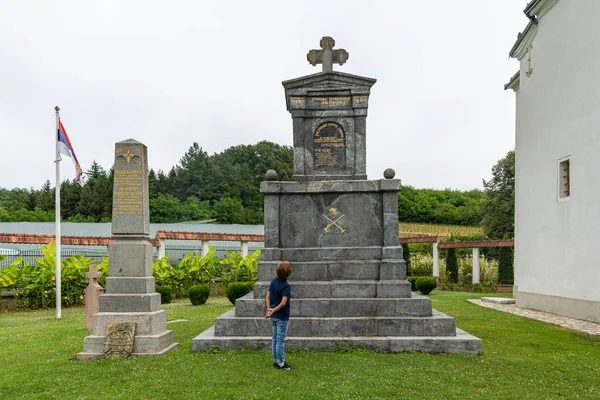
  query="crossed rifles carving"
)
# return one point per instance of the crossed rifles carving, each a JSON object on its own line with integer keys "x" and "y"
{"x": 334, "y": 222}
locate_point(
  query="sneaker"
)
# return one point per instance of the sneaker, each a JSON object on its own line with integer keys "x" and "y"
{"x": 275, "y": 365}
{"x": 286, "y": 367}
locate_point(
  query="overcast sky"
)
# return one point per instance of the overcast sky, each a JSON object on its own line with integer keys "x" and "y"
{"x": 170, "y": 73}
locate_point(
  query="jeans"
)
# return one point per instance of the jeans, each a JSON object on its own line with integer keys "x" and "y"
{"x": 279, "y": 328}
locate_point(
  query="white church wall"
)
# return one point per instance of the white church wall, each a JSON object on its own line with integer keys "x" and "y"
{"x": 558, "y": 117}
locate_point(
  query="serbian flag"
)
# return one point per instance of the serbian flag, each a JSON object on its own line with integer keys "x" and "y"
{"x": 65, "y": 147}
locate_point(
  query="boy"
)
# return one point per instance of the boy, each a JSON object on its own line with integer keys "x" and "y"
{"x": 278, "y": 309}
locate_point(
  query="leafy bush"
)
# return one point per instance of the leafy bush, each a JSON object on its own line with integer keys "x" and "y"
{"x": 413, "y": 282}
{"x": 36, "y": 283}
{"x": 198, "y": 294}
{"x": 235, "y": 290}
{"x": 166, "y": 294}
{"x": 426, "y": 285}
{"x": 241, "y": 269}
{"x": 195, "y": 270}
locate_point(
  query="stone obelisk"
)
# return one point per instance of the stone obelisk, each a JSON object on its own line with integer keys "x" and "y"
{"x": 130, "y": 296}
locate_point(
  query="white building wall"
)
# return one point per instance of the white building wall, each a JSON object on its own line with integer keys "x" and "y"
{"x": 557, "y": 251}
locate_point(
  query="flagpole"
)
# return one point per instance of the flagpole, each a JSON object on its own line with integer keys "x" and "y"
{"x": 57, "y": 218}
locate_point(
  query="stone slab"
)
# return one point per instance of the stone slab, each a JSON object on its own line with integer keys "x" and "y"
{"x": 130, "y": 257}
{"x": 325, "y": 289}
{"x": 327, "y": 270}
{"x": 436, "y": 325}
{"x": 498, "y": 300}
{"x": 461, "y": 343}
{"x": 130, "y": 302}
{"x": 333, "y": 254}
{"x": 248, "y": 306}
{"x": 130, "y": 284}
{"x": 146, "y": 323}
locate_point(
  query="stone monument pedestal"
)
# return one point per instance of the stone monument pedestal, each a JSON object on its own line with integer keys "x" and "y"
{"x": 340, "y": 231}
{"x": 130, "y": 296}
{"x": 349, "y": 283}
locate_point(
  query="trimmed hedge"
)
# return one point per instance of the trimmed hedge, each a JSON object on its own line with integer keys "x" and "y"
{"x": 166, "y": 294}
{"x": 413, "y": 282}
{"x": 425, "y": 285}
{"x": 235, "y": 290}
{"x": 198, "y": 294}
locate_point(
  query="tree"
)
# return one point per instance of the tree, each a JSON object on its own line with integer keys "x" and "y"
{"x": 506, "y": 264}
{"x": 452, "y": 266}
{"x": 46, "y": 199}
{"x": 499, "y": 199}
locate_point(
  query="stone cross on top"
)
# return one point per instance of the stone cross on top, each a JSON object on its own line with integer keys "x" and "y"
{"x": 327, "y": 56}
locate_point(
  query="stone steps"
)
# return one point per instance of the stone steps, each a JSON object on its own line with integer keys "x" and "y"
{"x": 338, "y": 270}
{"x": 436, "y": 325}
{"x": 462, "y": 342}
{"x": 248, "y": 306}
{"x": 341, "y": 289}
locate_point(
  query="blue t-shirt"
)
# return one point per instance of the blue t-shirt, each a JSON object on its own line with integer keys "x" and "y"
{"x": 280, "y": 289}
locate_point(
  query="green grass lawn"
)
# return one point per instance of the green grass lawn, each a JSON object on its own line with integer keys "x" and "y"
{"x": 522, "y": 359}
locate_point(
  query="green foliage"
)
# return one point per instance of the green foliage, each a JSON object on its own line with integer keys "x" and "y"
{"x": 426, "y": 285}
{"x": 406, "y": 255}
{"x": 413, "y": 282}
{"x": 36, "y": 283}
{"x": 10, "y": 274}
{"x": 103, "y": 269}
{"x": 453, "y": 207}
{"x": 193, "y": 269}
{"x": 235, "y": 290}
{"x": 198, "y": 294}
{"x": 499, "y": 199}
{"x": 452, "y": 266}
{"x": 166, "y": 294}
{"x": 163, "y": 272}
{"x": 241, "y": 269}
{"x": 505, "y": 264}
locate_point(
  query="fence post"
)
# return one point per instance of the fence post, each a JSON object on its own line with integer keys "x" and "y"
{"x": 436, "y": 261}
{"x": 244, "y": 245}
{"x": 162, "y": 250}
{"x": 476, "y": 269}
{"x": 205, "y": 245}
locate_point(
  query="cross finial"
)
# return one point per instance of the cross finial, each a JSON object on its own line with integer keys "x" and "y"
{"x": 327, "y": 56}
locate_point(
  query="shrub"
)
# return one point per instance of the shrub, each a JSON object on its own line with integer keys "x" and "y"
{"x": 425, "y": 285}
{"x": 413, "y": 282}
{"x": 235, "y": 290}
{"x": 198, "y": 294}
{"x": 166, "y": 294}
{"x": 452, "y": 266}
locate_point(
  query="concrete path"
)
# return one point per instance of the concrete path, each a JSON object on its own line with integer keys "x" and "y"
{"x": 590, "y": 328}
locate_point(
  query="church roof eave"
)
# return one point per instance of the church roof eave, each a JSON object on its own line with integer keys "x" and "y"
{"x": 514, "y": 82}
{"x": 524, "y": 39}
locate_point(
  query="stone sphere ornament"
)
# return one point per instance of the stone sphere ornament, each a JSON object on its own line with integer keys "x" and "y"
{"x": 389, "y": 173}
{"x": 271, "y": 175}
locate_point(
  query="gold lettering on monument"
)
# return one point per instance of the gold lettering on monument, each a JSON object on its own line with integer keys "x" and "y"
{"x": 329, "y": 145}
{"x": 127, "y": 193}
{"x": 332, "y": 101}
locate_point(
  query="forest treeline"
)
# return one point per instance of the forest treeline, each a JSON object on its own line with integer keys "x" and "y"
{"x": 226, "y": 187}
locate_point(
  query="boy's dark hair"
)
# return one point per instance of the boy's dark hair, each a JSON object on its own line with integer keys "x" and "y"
{"x": 284, "y": 270}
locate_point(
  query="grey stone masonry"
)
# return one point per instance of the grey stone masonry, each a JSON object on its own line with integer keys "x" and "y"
{"x": 340, "y": 232}
{"x": 329, "y": 114}
{"x": 130, "y": 295}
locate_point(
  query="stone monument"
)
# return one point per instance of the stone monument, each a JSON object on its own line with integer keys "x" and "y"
{"x": 130, "y": 297}
{"x": 340, "y": 231}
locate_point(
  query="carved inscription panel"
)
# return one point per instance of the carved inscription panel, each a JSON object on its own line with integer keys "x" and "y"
{"x": 128, "y": 183}
{"x": 330, "y": 146}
